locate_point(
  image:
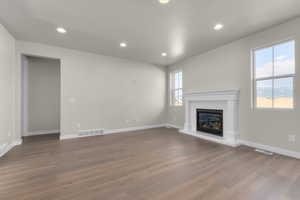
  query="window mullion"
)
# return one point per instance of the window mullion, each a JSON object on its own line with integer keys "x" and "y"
{"x": 255, "y": 92}
{"x": 273, "y": 69}
{"x": 172, "y": 97}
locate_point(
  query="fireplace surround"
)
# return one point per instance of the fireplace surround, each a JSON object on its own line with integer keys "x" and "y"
{"x": 226, "y": 101}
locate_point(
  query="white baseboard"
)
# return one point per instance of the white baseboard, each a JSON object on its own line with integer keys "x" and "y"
{"x": 173, "y": 126}
{"x": 272, "y": 149}
{"x": 133, "y": 129}
{"x": 276, "y": 150}
{"x": 46, "y": 132}
{"x": 7, "y": 147}
{"x": 106, "y": 132}
{"x": 210, "y": 138}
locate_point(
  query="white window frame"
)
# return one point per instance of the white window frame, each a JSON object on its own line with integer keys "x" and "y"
{"x": 273, "y": 77}
{"x": 173, "y": 89}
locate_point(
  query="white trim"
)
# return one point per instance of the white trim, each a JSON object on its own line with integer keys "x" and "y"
{"x": 41, "y": 132}
{"x": 231, "y": 94}
{"x": 211, "y": 138}
{"x": 276, "y": 150}
{"x": 173, "y": 126}
{"x": 133, "y": 129}
{"x": 271, "y": 44}
{"x": 24, "y": 95}
{"x": 172, "y": 88}
{"x": 106, "y": 132}
{"x": 23, "y": 92}
{"x": 6, "y": 148}
{"x": 226, "y": 100}
{"x": 273, "y": 78}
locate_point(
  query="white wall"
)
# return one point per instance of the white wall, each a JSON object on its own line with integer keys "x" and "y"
{"x": 7, "y": 67}
{"x": 43, "y": 95}
{"x": 229, "y": 67}
{"x": 111, "y": 93}
{"x": 101, "y": 92}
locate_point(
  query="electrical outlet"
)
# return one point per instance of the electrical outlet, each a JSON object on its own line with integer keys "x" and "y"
{"x": 292, "y": 138}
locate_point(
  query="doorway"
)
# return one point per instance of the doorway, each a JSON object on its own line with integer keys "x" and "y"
{"x": 40, "y": 96}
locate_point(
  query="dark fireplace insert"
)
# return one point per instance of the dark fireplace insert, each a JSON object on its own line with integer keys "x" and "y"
{"x": 210, "y": 121}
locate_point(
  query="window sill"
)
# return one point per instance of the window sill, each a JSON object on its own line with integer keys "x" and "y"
{"x": 275, "y": 109}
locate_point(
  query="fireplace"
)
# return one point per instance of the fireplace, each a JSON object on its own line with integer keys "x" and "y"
{"x": 210, "y": 121}
{"x": 226, "y": 101}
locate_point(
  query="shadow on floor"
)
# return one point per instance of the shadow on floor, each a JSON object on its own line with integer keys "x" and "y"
{"x": 40, "y": 138}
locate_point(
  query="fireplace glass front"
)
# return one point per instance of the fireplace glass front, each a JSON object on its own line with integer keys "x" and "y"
{"x": 210, "y": 121}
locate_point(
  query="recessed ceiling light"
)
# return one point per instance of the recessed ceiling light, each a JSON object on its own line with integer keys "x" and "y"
{"x": 61, "y": 30}
{"x": 123, "y": 44}
{"x": 164, "y": 54}
{"x": 218, "y": 27}
{"x": 164, "y": 1}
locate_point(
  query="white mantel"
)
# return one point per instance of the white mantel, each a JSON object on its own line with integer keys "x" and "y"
{"x": 226, "y": 100}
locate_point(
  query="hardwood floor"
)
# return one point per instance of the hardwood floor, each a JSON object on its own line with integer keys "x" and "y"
{"x": 156, "y": 164}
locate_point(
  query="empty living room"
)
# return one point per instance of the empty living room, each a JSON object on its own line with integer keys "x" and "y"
{"x": 149, "y": 100}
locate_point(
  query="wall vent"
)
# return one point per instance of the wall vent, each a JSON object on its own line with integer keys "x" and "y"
{"x": 92, "y": 132}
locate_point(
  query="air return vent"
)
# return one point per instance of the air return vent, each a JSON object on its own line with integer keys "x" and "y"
{"x": 92, "y": 132}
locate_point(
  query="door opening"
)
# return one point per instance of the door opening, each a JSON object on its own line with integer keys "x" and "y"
{"x": 40, "y": 96}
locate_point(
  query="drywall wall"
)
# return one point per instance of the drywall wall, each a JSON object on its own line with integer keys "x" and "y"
{"x": 7, "y": 67}
{"x": 101, "y": 92}
{"x": 43, "y": 95}
{"x": 229, "y": 67}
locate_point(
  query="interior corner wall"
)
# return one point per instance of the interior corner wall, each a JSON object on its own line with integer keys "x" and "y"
{"x": 229, "y": 67}
{"x": 102, "y": 92}
{"x": 7, "y": 67}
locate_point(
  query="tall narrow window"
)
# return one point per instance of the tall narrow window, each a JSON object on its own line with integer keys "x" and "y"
{"x": 176, "y": 88}
{"x": 274, "y": 73}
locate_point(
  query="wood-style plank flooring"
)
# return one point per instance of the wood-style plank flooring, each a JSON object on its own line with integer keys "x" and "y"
{"x": 156, "y": 164}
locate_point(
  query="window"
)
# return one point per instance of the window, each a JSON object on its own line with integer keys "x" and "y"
{"x": 176, "y": 88}
{"x": 274, "y": 73}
